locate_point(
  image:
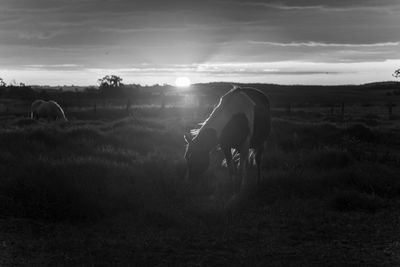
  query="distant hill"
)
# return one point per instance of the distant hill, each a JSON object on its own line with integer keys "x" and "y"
{"x": 280, "y": 95}
{"x": 378, "y": 92}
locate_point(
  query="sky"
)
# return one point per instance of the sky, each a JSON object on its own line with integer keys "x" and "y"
{"x": 65, "y": 42}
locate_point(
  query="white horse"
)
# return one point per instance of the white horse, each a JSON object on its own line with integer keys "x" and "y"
{"x": 50, "y": 110}
{"x": 241, "y": 121}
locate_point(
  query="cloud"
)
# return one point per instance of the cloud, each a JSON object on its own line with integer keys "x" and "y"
{"x": 225, "y": 69}
{"x": 51, "y": 67}
{"x": 299, "y": 5}
{"x": 320, "y": 44}
{"x": 119, "y": 34}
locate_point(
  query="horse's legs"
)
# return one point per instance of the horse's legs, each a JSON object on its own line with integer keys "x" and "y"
{"x": 231, "y": 167}
{"x": 34, "y": 115}
{"x": 259, "y": 153}
{"x": 244, "y": 155}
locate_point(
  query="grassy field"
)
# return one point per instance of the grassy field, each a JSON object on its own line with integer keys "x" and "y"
{"x": 108, "y": 189}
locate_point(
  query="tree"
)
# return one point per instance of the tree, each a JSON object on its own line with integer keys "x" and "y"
{"x": 396, "y": 73}
{"x": 2, "y": 83}
{"x": 111, "y": 81}
{"x": 12, "y": 83}
{"x": 111, "y": 86}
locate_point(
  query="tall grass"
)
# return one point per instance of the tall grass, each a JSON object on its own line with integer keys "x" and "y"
{"x": 86, "y": 171}
{"x": 91, "y": 169}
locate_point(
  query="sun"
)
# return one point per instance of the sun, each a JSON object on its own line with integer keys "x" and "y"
{"x": 182, "y": 82}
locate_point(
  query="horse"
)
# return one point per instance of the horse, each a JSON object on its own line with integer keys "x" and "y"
{"x": 241, "y": 121}
{"x": 47, "y": 109}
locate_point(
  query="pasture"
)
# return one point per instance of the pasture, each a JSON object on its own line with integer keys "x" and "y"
{"x": 108, "y": 188}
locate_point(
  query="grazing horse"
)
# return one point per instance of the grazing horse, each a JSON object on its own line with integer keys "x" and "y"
{"x": 47, "y": 109}
{"x": 240, "y": 121}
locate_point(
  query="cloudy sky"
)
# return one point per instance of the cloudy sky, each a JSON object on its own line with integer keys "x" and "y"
{"x": 76, "y": 42}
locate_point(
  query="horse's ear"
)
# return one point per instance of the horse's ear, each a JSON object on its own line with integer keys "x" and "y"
{"x": 188, "y": 138}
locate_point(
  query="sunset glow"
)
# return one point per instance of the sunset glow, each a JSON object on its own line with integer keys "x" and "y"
{"x": 182, "y": 82}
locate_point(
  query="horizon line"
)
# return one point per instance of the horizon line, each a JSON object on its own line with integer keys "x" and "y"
{"x": 214, "y": 82}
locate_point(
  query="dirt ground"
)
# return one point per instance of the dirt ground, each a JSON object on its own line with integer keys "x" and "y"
{"x": 292, "y": 232}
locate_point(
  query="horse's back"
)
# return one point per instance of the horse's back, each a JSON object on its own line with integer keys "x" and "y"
{"x": 259, "y": 98}
{"x": 35, "y": 107}
{"x": 36, "y": 104}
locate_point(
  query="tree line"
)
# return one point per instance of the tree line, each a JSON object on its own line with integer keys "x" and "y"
{"x": 109, "y": 86}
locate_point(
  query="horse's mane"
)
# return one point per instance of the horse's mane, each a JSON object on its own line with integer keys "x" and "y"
{"x": 222, "y": 102}
{"x": 59, "y": 109}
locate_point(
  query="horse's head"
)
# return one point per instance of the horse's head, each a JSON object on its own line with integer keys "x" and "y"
{"x": 197, "y": 153}
{"x": 197, "y": 158}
